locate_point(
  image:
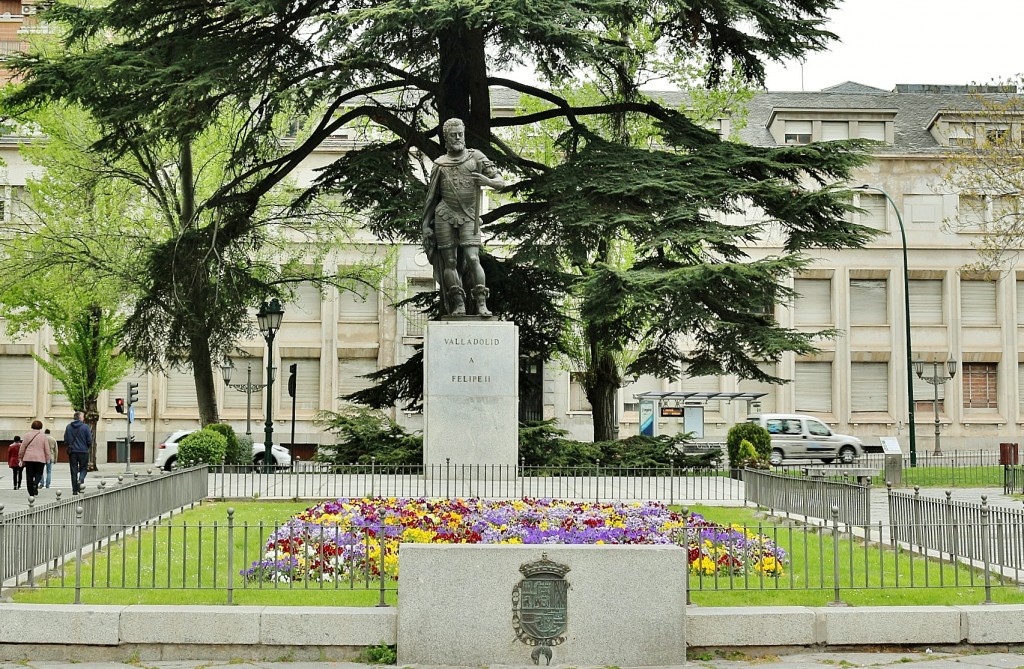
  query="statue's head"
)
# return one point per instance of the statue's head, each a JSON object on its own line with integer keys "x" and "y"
{"x": 454, "y": 134}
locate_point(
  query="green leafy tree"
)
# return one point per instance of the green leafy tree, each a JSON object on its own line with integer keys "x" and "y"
{"x": 175, "y": 69}
{"x": 757, "y": 436}
{"x": 138, "y": 220}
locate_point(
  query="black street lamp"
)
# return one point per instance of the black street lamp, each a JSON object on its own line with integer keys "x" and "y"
{"x": 269, "y": 319}
{"x": 227, "y": 369}
{"x": 936, "y": 379}
{"x": 906, "y": 325}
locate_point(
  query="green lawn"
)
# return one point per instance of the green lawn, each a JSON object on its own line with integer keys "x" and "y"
{"x": 134, "y": 568}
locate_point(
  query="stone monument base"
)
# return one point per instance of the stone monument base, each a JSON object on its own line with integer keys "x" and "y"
{"x": 468, "y": 605}
{"x": 470, "y": 398}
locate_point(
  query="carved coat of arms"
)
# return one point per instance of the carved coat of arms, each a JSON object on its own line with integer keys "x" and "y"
{"x": 540, "y": 606}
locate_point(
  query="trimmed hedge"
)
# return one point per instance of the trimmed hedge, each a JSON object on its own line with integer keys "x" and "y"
{"x": 202, "y": 446}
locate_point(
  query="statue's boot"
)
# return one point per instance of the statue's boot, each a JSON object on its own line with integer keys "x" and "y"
{"x": 457, "y": 301}
{"x": 480, "y": 295}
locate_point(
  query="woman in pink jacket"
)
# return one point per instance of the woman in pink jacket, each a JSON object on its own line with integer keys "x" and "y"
{"x": 34, "y": 454}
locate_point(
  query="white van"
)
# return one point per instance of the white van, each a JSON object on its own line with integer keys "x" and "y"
{"x": 795, "y": 436}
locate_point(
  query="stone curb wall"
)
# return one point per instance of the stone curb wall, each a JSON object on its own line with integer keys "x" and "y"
{"x": 339, "y": 633}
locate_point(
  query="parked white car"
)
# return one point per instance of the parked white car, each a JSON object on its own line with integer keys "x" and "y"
{"x": 167, "y": 452}
{"x": 795, "y": 436}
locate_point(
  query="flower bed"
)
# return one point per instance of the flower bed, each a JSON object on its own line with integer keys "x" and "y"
{"x": 342, "y": 539}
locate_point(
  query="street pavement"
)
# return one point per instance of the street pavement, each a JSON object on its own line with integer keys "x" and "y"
{"x": 921, "y": 659}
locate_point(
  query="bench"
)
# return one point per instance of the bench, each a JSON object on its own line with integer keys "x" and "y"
{"x": 862, "y": 474}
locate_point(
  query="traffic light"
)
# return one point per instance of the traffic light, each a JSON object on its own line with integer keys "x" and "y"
{"x": 133, "y": 393}
{"x": 119, "y": 405}
{"x": 294, "y": 369}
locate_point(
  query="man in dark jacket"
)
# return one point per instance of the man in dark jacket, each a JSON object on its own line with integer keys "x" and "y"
{"x": 78, "y": 440}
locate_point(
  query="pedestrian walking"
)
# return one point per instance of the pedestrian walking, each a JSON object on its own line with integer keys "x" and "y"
{"x": 34, "y": 454}
{"x": 52, "y": 443}
{"x": 78, "y": 441}
{"x": 13, "y": 462}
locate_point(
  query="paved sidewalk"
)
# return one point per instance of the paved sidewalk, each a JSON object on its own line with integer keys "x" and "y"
{"x": 803, "y": 660}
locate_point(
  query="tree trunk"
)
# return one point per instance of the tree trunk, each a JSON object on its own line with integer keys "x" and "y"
{"x": 92, "y": 414}
{"x": 206, "y": 391}
{"x": 604, "y": 381}
{"x": 462, "y": 89}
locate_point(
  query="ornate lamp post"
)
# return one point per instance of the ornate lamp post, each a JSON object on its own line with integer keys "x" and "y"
{"x": 269, "y": 318}
{"x": 227, "y": 369}
{"x": 939, "y": 376}
{"x": 906, "y": 326}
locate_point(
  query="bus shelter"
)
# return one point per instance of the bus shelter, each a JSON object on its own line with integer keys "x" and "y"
{"x": 685, "y": 404}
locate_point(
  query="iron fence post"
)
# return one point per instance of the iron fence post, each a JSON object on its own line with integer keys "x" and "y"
{"x": 986, "y": 537}
{"x": 231, "y": 555}
{"x": 79, "y": 516}
{"x": 836, "y": 601}
{"x": 383, "y": 546}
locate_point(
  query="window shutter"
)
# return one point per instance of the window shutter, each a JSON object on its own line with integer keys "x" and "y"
{"x": 812, "y": 385}
{"x": 924, "y": 391}
{"x": 577, "y": 398}
{"x": 141, "y": 377}
{"x": 235, "y": 399}
{"x": 978, "y": 302}
{"x": 926, "y": 302}
{"x": 350, "y": 371}
{"x": 872, "y": 130}
{"x": 359, "y": 305}
{"x": 58, "y": 400}
{"x": 869, "y": 387}
{"x": 833, "y": 130}
{"x": 768, "y": 402}
{"x": 307, "y": 303}
{"x": 19, "y": 375}
{"x": 701, "y": 384}
{"x": 875, "y": 208}
{"x": 307, "y": 386}
{"x": 869, "y": 302}
{"x": 813, "y": 306}
{"x": 1020, "y": 384}
{"x": 181, "y": 389}
{"x": 416, "y": 320}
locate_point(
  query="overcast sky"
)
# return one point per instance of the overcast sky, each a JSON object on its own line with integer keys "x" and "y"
{"x": 888, "y": 42}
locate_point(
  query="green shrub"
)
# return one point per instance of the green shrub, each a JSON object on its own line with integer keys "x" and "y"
{"x": 233, "y": 455}
{"x": 245, "y": 447}
{"x": 366, "y": 435}
{"x": 202, "y": 446}
{"x": 755, "y": 434}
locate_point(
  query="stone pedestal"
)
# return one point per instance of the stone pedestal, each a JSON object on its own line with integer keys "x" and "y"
{"x": 471, "y": 397}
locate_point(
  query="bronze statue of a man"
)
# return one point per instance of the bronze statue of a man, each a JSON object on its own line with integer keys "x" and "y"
{"x": 451, "y": 221}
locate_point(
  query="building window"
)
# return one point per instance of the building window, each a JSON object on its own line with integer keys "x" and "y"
{"x": 416, "y": 320}
{"x": 834, "y": 130}
{"x": 1020, "y": 299}
{"x": 872, "y": 130}
{"x": 812, "y": 385}
{"x": 247, "y": 370}
{"x": 869, "y": 387}
{"x": 973, "y": 211}
{"x": 875, "y": 209}
{"x": 307, "y": 383}
{"x": 358, "y": 304}
{"x": 768, "y": 402}
{"x": 798, "y": 132}
{"x": 813, "y": 304}
{"x": 961, "y": 135}
{"x": 577, "y": 397}
{"x": 307, "y": 303}
{"x": 869, "y": 301}
{"x": 181, "y": 389}
{"x": 352, "y": 374}
{"x": 924, "y": 394}
{"x": 997, "y": 135}
{"x": 979, "y": 385}
{"x": 701, "y": 384}
{"x": 926, "y": 302}
{"x": 977, "y": 302}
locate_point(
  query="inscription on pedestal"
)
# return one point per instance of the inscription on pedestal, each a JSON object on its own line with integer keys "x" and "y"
{"x": 470, "y": 365}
